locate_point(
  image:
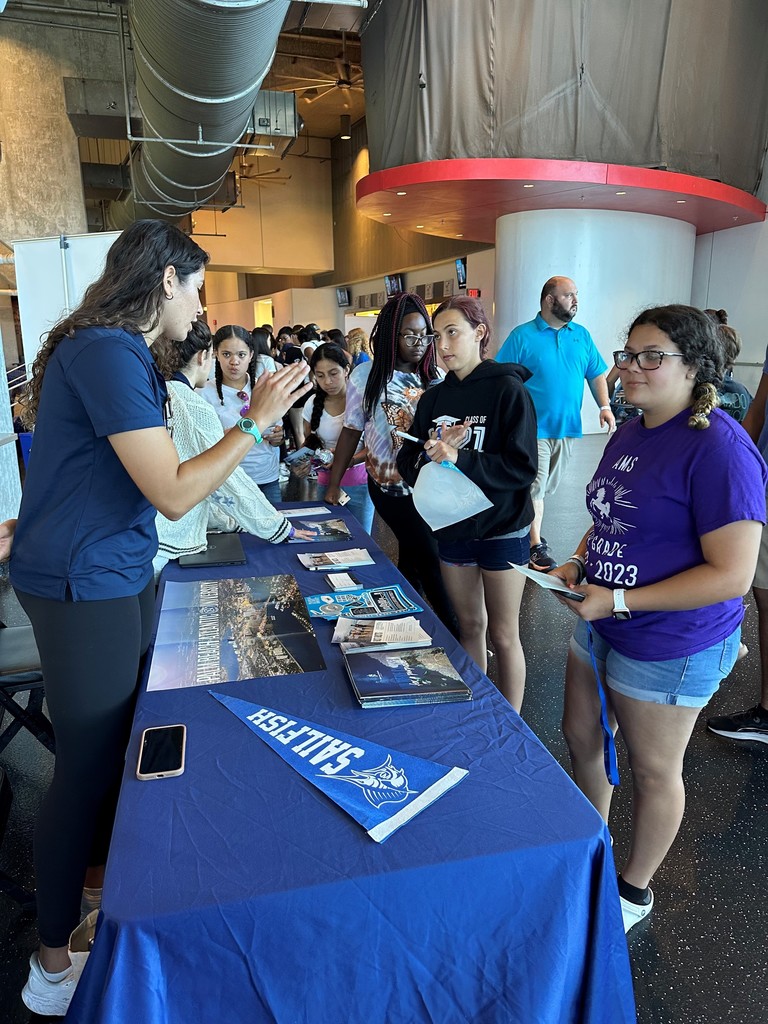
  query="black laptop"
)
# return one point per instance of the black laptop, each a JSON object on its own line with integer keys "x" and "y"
{"x": 223, "y": 549}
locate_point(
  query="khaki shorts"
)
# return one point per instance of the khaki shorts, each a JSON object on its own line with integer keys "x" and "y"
{"x": 761, "y": 572}
{"x": 554, "y": 453}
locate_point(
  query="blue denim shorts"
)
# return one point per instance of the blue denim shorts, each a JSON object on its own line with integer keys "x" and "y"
{"x": 689, "y": 682}
{"x": 493, "y": 554}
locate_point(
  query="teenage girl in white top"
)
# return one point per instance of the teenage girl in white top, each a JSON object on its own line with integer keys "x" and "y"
{"x": 238, "y": 365}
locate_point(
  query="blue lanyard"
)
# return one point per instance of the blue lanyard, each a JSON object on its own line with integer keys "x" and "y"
{"x": 609, "y": 745}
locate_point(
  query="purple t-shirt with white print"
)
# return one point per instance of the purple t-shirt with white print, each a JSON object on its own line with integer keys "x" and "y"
{"x": 654, "y": 494}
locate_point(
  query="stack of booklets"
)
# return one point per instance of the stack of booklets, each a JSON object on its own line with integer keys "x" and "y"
{"x": 348, "y": 559}
{"x": 382, "y": 679}
{"x": 376, "y": 634}
{"x": 377, "y": 603}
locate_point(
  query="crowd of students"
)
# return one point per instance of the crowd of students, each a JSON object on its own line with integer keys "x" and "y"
{"x": 677, "y": 502}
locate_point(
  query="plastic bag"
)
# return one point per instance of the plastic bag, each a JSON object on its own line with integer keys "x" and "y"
{"x": 444, "y": 496}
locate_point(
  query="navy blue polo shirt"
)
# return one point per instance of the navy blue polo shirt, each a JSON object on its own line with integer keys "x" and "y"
{"x": 85, "y": 531}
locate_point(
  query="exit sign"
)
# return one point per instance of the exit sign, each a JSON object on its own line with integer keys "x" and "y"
{"x": 473, "y": 293}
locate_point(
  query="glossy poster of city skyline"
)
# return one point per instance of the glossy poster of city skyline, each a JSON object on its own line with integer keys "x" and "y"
{"x": 218, "y": 631}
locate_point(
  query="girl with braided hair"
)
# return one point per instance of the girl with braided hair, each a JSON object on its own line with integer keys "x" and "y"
{"x": 323, "y": 422}
{"x": 239, "y": 364}
{"x": 677, "y": 503}
{"x": 381, "y": 398}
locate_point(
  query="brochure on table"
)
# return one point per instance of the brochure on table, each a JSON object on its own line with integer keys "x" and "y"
{"x": 375, "y": 634}
{"x": 377, "y": 603}
{"x": 388, "y": 678}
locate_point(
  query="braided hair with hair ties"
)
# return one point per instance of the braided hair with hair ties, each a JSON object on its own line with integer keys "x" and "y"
{"x": 695, "y": 334}
{"x": 233, "y": 331}
{"x": 335, "y": 354}
{"x": 385, "y": 340}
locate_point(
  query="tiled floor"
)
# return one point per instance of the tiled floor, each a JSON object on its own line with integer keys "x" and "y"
{"x": 700, "y": 958}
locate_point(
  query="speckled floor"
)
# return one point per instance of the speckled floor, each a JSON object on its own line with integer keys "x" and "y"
{"x": 700, "y": 958}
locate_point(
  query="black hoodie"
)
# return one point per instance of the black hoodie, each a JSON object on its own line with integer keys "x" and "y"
{"x": 500, "y": 454}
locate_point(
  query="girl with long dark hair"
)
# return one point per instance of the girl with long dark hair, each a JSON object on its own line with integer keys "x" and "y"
{"x": 241, "y": 358}
{"x": 81, "y": 560}
{"x": 381, "y": 398}
{"x": 481, "y": 419}
{"x": 323, "y": 422}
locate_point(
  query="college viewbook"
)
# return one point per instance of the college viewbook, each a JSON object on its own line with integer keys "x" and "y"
{"x": 383, "y": 679}
{"x": 322, "y": 529}
{"x": 217, "y": 631}
{"x": 376, "y": 603}
{"x": 350, "y": 558}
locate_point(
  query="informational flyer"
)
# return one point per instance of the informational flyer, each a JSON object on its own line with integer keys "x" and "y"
{"x": 218, "y": 631}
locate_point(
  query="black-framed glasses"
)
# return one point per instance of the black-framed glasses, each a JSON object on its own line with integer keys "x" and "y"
{"x": 648, "y": 359}
{"x": 412, "y": 340}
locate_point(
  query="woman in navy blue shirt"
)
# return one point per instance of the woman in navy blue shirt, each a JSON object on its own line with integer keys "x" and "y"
{"x": 81, "y": 559}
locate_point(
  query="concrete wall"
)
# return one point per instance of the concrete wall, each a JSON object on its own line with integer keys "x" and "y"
{"x": 40, "y": 185}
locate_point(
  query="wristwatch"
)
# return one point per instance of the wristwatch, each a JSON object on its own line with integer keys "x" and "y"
{"x": 620, "y": 610}
{"x": 248, "y": 426}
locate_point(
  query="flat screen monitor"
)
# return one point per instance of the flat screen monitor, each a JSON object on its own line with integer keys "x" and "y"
{"x": 342, "y": 297}
{"x": 461, "y": 271}
{"x": 393, "y": 284}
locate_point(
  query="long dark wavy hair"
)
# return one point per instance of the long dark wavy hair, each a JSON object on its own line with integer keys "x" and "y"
{"x": 695, "y": 334}
{"x": 171, "y": 356}
{"x": 129, "y": 294}
{"x": 385, "y": 338}
{"x": 245, "y": 336}
{"x": 336, "y": 355}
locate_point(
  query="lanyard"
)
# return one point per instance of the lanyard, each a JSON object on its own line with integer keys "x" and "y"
{"x": 609, "y": 745}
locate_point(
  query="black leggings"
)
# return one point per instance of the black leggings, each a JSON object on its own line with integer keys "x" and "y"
{"x": 90, "y": 652}
{"x": 418, "y": 559}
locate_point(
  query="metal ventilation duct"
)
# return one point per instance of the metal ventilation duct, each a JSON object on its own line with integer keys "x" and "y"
{"x": 199, "y": 66}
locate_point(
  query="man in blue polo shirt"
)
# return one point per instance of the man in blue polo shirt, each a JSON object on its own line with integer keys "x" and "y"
{"x": 561, "y": 355}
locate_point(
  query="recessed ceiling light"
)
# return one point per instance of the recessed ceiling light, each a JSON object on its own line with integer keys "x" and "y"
{"x": 459, "y": 236}
{"x": 621, "y": 193}
{"x": 419, "y": 225}
{"x": 527, "y": 186}
{"x": 680, "y": 200}
{"x": 386, "y": 215}
{"x": 402, "y": 193}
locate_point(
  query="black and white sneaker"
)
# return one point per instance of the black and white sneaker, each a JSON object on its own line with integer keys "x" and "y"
{"x": 746, "y": 725}
{"x": 541, "y": 557}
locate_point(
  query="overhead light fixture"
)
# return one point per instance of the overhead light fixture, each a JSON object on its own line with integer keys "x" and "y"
{"x": 419, "y": 225}
{"x": 680, "y": 200}
{"x": 527, "y": 186}
{"x": 459, "y": 236}
{"x": 386, "y": 215}
{"x": 402, "y": 193}
{"x": 346, "y": 127}
{"x": 621, "y": 193}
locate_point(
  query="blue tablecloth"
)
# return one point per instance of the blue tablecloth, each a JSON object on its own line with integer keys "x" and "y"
{"x": 239, "y": 893}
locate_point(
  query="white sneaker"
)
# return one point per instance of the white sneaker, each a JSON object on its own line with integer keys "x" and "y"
{"x": 51, "y": 998}
{"x": 633, "y": 912}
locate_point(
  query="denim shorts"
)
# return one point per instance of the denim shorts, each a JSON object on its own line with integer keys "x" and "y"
{"x": 689, "y": 682}
{"x": 493, "y": 554}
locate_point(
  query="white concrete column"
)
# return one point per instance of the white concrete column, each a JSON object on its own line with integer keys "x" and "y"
{"x": 621, "y": 263}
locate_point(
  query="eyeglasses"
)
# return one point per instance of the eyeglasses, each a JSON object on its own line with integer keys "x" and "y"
{"x": 413, "y": 339}
{"x": 244, "y": 397}
{"x": 648, "y": 359}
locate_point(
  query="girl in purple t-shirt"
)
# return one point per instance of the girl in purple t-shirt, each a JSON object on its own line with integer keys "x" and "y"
{"x": 677, "y": 503}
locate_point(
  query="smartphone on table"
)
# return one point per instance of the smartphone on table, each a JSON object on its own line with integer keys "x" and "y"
{"x": 161, "y": 752}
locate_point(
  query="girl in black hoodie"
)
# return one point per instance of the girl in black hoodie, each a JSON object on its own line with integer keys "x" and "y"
{"x": 481, "y": 418}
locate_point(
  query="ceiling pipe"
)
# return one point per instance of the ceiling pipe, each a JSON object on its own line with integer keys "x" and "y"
{"x": 199, "y": 66}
